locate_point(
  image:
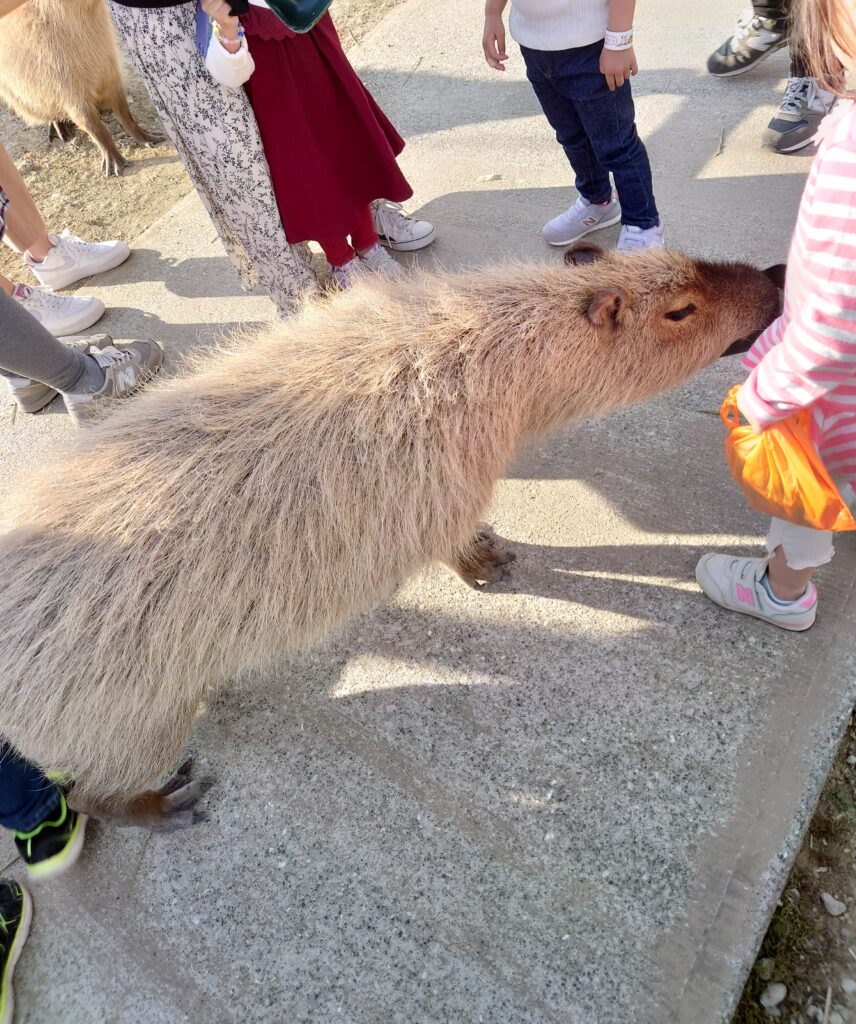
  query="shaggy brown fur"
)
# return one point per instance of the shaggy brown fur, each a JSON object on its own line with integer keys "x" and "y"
{"x": 59, "y": 62}
{"x": 225, "y": 519}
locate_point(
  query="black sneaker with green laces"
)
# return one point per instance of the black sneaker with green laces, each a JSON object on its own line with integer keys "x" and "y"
{"x": 54, "y": 845}
{"x": 16, "y": 912}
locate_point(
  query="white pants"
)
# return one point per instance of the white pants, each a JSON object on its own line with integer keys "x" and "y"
{"x": 803, "y": 547}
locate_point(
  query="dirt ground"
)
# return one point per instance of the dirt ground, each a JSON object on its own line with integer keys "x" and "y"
{"x": 806, "y": 949}
{"x": 67, "y": 183}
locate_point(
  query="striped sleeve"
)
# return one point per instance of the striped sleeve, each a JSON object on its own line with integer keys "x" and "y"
{"x": 816, "y": 350}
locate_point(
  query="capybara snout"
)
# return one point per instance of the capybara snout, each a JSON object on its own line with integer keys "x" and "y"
{"x": 689, "y": 310}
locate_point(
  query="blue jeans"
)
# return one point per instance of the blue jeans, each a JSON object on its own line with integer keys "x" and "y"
{"x": 595, "y": 127}
{"x": 27, "y": 798}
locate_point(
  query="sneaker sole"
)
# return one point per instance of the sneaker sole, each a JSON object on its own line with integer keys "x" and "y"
{"x": 90, "y": 316}
{"x": 115, "y": 258}
{"x": 62, "y": 861}
{"x": 748, "y": 67}
{"x": 793, "y": 149}
{"x": 7, "y": 1012}
{"x": 417, "y": 243}
{"x": 712, "y": 591}
{"x": 607, "y": 223}
{"x": 39, "y": 397}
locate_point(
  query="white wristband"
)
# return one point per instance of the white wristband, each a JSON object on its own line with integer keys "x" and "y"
{"x": 618, "y": 40}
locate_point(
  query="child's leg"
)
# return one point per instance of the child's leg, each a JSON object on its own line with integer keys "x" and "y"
{"x": 25, "y": 228}
{"x": 337, "y": 250}
{"x": 795, "y": 552}
{"x": 609, "y": 121}
{"x": 364, "y": 235}
{"x": 592, "y": 178}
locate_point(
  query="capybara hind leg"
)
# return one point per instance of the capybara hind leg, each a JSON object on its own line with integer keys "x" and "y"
{"x": 484, "y": 560}
{"x": 63, "y": 131}
{"x": 118, "y": 103}
{"x": 171, "y": 807}
{"x": 112, "y": 161}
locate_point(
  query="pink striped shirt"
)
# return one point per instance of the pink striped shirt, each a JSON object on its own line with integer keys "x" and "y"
{"x": 808, "y": 356}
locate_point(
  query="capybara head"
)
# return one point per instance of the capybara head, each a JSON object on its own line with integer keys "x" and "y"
{"x": 670, "y": 313}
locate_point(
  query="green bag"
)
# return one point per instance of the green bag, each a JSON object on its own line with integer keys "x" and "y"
{"x": 299, "y": 15}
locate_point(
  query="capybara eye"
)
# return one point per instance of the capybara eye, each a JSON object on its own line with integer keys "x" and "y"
{"x": 681, "y": 314}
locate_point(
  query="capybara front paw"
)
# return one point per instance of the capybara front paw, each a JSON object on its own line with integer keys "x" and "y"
{"x": 485, "y": 560}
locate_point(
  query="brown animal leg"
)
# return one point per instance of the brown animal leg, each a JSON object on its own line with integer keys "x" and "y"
{"x": 165, "y": 809}
{"x": 62, "y": 131}
{"x": 112, "y": 161}
{"x": 483, "y": 560}
{"x": 118, "y": 103}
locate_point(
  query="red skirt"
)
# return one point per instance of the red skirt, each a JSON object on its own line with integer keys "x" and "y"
{"x": 330, "y": 148}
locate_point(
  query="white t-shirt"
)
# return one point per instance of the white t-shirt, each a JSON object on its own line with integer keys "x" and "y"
{"x": 557, "y": 24}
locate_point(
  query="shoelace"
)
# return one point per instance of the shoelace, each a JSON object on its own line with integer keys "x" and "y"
{"x": 77, "y": 244}
{"x": 746, "y": 23}
{"x": 46, "y": 297}
{"x": 390, "y": 213}
{"x": 110, "y": 356}
{"x": 799, "y": 92}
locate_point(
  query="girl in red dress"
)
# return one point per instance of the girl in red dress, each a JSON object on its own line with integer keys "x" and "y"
{"x": 330, "y": 148}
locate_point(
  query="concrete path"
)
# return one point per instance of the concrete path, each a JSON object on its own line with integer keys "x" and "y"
{"x": 572, "y": 800}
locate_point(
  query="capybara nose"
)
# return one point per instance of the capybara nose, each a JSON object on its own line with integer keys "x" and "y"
{"x": 777, "y": 275}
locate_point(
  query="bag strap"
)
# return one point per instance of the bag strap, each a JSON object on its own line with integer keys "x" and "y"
{"x": 729, "y": 412}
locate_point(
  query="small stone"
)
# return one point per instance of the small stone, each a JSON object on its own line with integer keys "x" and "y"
{"x": 773, "y": 995}
{"x": 834, "y": 907}
{"x": 764, "y": 969}
{"x": 835, "y": 1018}
{"x": 489, "y": 177}
{"x": 851, "y": 759}
{"x": 848, "y": 986}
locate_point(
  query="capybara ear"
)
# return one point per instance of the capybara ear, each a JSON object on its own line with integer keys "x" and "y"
{"x": 606, "y": 306}
{"x": 776, "y": 274}
{"x": 581, "y": 253}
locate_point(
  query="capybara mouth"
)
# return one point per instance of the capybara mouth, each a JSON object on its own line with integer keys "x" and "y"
{"x": 776, "y": 274}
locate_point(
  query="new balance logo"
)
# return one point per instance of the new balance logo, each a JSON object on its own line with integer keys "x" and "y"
{"x": 126, "y": 378}
{"x": 745, "y": 595}
{"x": 591, "y": 221}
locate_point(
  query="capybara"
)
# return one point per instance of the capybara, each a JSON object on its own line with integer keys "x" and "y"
{"x": 244, "y": 510}
{"x": 59, "y": 63}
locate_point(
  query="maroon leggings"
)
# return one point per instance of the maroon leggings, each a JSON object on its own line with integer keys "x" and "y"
{"x": 363, "y": 236}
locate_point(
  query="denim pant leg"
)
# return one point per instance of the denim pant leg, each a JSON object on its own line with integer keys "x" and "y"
{"x": 27, "y": 798}
{"x": 592, "y": 179}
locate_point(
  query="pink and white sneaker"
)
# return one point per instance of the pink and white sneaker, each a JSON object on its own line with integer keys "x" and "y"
{"x": 736, "y": 584}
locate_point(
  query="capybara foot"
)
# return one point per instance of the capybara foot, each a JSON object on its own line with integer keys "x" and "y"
{"x": 165, "y": 809}
{"x": 484, "y": 560}
{"x": 148, "y": 139}
{"x": 113, "y": 164}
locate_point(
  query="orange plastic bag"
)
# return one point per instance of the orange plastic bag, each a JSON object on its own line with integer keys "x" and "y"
{"x": 780, "y": 471}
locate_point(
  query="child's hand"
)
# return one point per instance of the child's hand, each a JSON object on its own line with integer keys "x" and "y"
{"x": 617, "y": 66}
{"x": 493, "y": 42}
{"x": 220, "y": 12}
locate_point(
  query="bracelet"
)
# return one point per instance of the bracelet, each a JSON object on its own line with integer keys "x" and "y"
{"x": 223, "y": 39}
{"x": 618, "y": 40}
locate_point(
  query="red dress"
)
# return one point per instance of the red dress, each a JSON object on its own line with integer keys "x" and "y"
{"x": 330, "y": 148}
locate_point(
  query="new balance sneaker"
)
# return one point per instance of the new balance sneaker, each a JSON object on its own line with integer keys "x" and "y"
{"x": 754, "y": 40}
{"x": 633, "y": 239}
{"x": 397, "y": 231}
{"x": 61, "y": 315}
{"x": 738, "y": 584}
{"x": 343, "y": 277}
{"x": 53, "y": 846}
{"x": 378, "y": 261}
{"x": 798, "y": 119}
{"x": 72, "y": 259}
{"x": 32, "y": 395}
{"x": 127, "y": 365}
{"x": 581, "y": 219}
{"x": 16, "y": 913}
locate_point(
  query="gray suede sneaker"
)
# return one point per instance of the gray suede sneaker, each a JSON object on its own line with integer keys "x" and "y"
{"x": 127, "y": 366}
{"x": 800, "y": 114}
{"x": 32, "y": 395}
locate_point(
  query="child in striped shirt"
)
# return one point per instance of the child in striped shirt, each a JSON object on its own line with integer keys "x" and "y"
{"x": 807, "y": 358}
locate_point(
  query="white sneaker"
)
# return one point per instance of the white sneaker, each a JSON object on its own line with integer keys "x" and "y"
{"x": 343, "y": 277}
{"x": 581, "y": 219}
{"x": 60, "y": 314}
{"x": 127, "y": 365}
{"x": 633, "y": 239}
{"x": 398, "y": 231}
{"x": 72, "y": 259}
{"x": 378, "y": 261}
{"x": 32, "y": 395}
{"x": 735, "y": 583}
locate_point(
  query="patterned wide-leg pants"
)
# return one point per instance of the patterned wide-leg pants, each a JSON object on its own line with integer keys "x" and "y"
{"x": 215, "y": 133}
